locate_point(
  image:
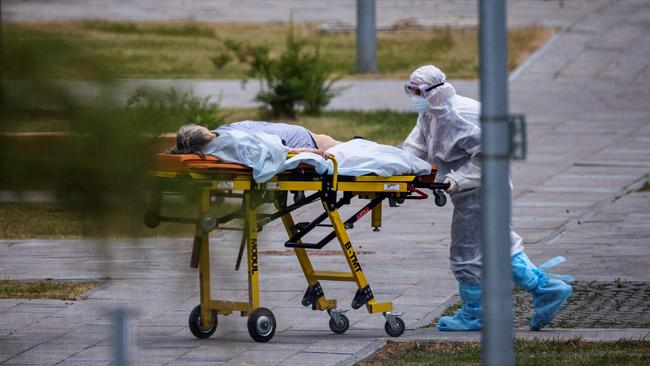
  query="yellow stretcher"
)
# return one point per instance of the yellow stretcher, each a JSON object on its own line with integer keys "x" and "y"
{"x": 208, "y": 178}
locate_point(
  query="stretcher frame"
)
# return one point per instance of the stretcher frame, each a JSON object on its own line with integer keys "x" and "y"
{"x": 209, "y": 178}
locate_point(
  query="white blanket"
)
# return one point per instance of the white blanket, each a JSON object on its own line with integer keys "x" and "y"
{"x": 360, "y": 157}
{"x": 266, "y": 155}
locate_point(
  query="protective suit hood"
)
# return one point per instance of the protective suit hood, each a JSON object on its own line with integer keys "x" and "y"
{"x": 441, "y": 97}
{"x": 428, "y": 74}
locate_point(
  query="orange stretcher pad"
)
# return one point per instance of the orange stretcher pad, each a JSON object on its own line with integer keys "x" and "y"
{"x": 195, "y": 163}
{"x": 209, "y": 179}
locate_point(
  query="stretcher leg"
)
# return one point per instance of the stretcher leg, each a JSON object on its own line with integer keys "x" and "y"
{"x": 152, "y": 213}
{"x": 204, "y": 281}
{"x": 204, "y": 265}
{"x": 203, "y": 318}
{"x": 376, "y": 218}
{"x": 355, "y": 266}
{"x": 251, "y": 249}
{"x": 321, "y": 303}
{"x": 261, "y": 321}
{"x": 394, "y": 325}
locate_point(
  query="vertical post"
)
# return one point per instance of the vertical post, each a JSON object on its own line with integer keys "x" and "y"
{"x": 366, "y": 37}
{"x": 498, "y": 333}
{"x": 120, "y": 337}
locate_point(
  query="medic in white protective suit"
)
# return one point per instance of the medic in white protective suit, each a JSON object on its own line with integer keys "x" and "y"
{"x": 448, "y": 134}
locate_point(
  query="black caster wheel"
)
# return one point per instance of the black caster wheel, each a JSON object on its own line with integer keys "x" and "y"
{"x": 306, "y": 302}
{"x": 396, "y": 331}
{"x": 197, "y": 329}
{"x": 261, "y": 325}
{"x": 151, "y": 219}
{"x": 440, "y": 199}
{"x": 339, "y": 327}
{"x": 208, "y": 222}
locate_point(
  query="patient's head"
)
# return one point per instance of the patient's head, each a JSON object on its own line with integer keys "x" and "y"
{"x": 192, "y": 139}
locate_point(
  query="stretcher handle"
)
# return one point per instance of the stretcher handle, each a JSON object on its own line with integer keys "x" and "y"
{"x": 335, "y": 174}
{"x": 443, "y": 186}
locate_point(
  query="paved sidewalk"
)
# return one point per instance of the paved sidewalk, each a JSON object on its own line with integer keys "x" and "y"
{"x": 557, "y": 13}
{"x": 586, "y": 99}
{"x": 354, "y": 94}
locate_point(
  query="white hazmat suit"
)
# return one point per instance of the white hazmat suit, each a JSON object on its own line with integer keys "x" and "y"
{"x": 448, "y": 134}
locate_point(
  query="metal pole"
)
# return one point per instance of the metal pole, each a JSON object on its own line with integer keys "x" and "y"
{"x": 366, "y": 37}
{"x": 498, "y": 335}
{"x": 120, "y": 337}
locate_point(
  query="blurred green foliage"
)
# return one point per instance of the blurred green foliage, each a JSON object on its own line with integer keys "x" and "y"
{"x": 150, "y": 107}
{"x": 297, "y": 79}
{"x": 100, "y": 159}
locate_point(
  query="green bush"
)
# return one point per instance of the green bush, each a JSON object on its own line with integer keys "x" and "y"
{"x": 297, "y": 79}
{"x": 157, "y": 111}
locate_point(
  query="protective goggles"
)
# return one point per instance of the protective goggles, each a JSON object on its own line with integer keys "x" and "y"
{"x": 419, "y": 90}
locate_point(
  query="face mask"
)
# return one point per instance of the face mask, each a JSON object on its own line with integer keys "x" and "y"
{"x": 419, "y": 104}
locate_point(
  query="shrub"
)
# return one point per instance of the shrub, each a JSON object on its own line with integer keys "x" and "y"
{"x": 297, "y": 79}
{"x": 158, "y": 111}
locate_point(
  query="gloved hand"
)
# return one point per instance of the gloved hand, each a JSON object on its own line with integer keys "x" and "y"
{"x": 453, "y": 186}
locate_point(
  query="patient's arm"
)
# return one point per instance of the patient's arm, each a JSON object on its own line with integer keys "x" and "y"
{"x": 298, "y": 150}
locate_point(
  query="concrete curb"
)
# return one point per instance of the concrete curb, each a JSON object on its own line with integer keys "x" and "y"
{"x": 427, "y": 319}
{"x": 536, "y": 55}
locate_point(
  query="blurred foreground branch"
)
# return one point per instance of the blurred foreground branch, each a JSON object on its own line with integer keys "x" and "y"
{"x": 100, "y": 158}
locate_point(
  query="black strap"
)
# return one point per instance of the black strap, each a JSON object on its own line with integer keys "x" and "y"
{"x": 435, "y": 86}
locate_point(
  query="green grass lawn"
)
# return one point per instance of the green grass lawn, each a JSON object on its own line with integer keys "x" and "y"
{"x": 49, "y": 220}
{"x": 185, "y": 50}
{"x": 45, "y": 289}
{"x": 53, "y": 220}
{"x": 561, "y": 353}
{"x": 384, "y": 126}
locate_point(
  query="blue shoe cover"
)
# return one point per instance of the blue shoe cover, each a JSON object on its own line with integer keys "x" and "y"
{"x": 469, "y": 316}
{"x": 549, "y": 294}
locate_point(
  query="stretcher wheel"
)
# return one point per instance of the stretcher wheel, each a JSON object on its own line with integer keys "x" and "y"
{"x": 440, "y": 199}
{"x": 208, "y": 222}
{"x": 341, "y": 326}
{"x": 196, "y": 328}
{"x": 261, "y": 325}
{"x": 150, "y": 219}
{"x": 395, "y": 331}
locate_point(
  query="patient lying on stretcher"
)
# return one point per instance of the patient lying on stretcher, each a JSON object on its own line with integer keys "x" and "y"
{"x": 193, "y": 138}
{"x": 264, "y": 146}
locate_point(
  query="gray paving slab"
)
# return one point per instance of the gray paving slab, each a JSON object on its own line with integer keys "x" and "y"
{"x": 42, "y": 354}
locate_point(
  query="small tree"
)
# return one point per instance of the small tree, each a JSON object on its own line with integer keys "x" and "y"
{"x": 297, "y": 79}
{"x": 157, "y": 111}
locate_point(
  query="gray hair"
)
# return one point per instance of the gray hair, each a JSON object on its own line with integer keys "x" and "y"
{"x": 190, "y": 139}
